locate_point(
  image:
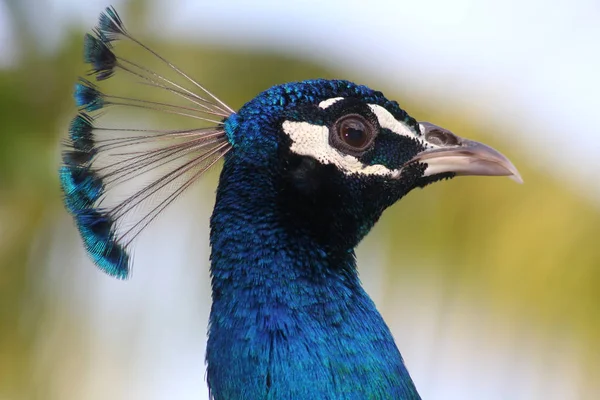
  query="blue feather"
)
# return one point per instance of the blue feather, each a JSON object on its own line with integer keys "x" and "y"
{"x": 81, "y": 187}
{"x": 110, "y": 27}
{"x": 98, "y": 161}
{"x": 98, "y": 53}
{"x": 289, "y": 318}
{"x": 81, "y": 133}
{"x": 76, "y": 158}
{"x": 97, "y": 232}
{"x": 87, "y": 96}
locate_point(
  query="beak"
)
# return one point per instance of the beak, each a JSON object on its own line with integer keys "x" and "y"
{"x": 461, "y": 156}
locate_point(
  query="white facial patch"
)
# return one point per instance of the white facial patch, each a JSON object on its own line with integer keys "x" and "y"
{"x": 329, "y": 102}
{"x": 313, "y": 140}
{"x": 387, "y": 121}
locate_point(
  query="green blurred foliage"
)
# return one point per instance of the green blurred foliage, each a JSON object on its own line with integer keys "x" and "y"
{"x": 527, "y": 250}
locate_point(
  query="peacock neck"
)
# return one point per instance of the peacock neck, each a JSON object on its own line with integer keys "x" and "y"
{"x": 289, "y": 319}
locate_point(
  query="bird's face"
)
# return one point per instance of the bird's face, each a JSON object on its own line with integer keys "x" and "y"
{"x": 341, "y": 153}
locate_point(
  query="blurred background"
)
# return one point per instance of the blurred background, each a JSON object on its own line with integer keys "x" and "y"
{"x": 491, "y": 288}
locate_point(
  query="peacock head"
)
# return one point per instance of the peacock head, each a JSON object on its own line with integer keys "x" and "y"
{"x": 341, "y": 153}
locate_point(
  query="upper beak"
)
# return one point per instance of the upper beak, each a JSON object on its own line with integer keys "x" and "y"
{"x": 462, "y": 156}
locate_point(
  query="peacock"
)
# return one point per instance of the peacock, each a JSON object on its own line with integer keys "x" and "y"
{"x": 308, "y": 169}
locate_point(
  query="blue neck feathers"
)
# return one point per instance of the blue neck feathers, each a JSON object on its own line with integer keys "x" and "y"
{"x": 289, "y": 318}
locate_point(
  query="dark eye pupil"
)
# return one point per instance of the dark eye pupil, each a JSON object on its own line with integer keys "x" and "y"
{"x": 353, "y": 132}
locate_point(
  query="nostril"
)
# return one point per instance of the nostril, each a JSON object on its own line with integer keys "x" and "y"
{"x": 440, "y": 137}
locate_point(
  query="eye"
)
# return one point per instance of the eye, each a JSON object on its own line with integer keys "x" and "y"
{"x": 353, "y": 133}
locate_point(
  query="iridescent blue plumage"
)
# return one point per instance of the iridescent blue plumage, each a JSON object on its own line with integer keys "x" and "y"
{"x": 77, "y": 158}
{"x": 81, "y": 133}
{"x": 309, "y": 168}
{"x": 97, "y": 53}
{"x": 96, "y": 229}
{"x": 110, "y": 27}
{"x": 290, "y": 319}
{"x": 93, "y": 166}
{"x": 87, "y": 96}
{"x": 81, "y": 187}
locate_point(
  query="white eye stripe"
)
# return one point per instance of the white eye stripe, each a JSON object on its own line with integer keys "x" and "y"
{"x": 329, "y": 102}
{"x": 313, "y": 140}
{"x": 387, "y": 120}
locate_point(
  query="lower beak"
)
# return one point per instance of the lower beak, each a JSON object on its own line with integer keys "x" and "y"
{"x": 461, "y": 156}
